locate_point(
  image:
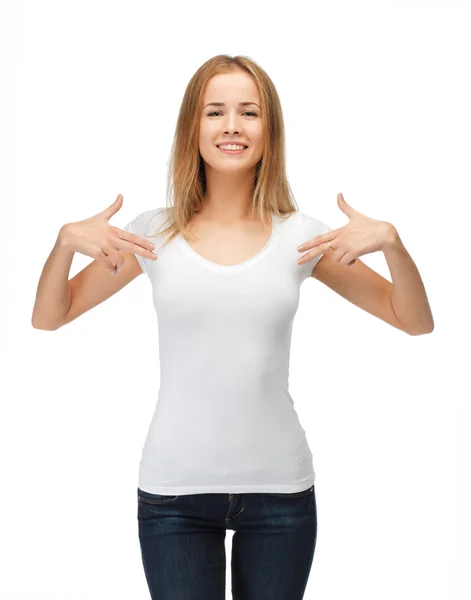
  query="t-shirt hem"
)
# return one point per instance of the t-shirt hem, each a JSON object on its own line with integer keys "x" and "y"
{"x": 227, "y": 489}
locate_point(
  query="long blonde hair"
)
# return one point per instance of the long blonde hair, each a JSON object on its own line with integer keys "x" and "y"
{"x": 186, "y": 181}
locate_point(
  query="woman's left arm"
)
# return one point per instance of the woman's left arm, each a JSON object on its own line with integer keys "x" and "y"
{"x": 408, "y": 296}
{"x": 402, "y": 303}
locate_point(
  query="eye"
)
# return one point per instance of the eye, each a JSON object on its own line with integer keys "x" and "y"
{"x": 247, "y": 112}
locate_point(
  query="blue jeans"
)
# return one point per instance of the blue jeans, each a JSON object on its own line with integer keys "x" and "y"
{"x": 183, "y": 552}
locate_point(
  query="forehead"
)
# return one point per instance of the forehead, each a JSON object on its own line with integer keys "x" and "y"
{"x": 237, "y": 86}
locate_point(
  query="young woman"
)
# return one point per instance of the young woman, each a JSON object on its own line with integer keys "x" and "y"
{"x": 225, "y": 448}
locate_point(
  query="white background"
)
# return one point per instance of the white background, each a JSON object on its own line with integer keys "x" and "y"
{"x": 376, "y": 106}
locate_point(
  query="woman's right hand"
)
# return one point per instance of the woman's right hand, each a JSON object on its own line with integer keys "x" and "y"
{"x": 96, "y": 238}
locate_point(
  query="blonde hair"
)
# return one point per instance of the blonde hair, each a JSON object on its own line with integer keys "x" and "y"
{"x": 186, "y": 182}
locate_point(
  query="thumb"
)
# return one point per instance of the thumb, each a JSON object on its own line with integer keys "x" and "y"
{"x": 346, "y": 208}
{"x": 113, "y": 208}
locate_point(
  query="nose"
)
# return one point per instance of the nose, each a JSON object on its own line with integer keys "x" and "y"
{"x": 230, "y": 126}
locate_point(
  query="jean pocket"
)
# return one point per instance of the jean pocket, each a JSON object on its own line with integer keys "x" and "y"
{"x": 293, "y": 494}
{"x": 150, "y": 498}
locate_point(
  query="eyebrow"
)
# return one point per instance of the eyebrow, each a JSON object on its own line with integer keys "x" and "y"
{"x": 240, "y": 104}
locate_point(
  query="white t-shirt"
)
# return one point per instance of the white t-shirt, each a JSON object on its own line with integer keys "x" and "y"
{"x": 224, "y": 419}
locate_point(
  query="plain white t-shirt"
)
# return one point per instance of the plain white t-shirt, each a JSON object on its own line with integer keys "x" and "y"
{"x": 224, "y": 419}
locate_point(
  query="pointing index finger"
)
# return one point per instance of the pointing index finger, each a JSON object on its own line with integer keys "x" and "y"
{"x": 134, "y": 244}
{"x": 133, "y": 238}
{"x": 316, "y": 241}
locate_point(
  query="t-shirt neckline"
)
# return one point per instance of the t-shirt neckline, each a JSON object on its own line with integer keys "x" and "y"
{"x": 269, "y": 246}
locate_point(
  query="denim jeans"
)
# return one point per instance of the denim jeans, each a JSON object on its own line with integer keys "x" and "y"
{"x": 183, "y": 552}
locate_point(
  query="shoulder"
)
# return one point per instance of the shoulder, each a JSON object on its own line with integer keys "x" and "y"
{"x": 303, "y": 226}
{"x": 311, "y": 226}
{"x": 149, "y": 222}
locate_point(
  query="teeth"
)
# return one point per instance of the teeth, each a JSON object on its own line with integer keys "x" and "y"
{"x": 231, "y": 147}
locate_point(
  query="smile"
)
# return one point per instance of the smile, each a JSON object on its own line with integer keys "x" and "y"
{"x": 232, "y": 148}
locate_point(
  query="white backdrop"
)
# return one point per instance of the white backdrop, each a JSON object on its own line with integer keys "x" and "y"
{"x": 376, "y": 106}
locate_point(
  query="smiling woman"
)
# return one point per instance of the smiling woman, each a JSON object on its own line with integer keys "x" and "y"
{"x": 226, "y": 291}
{"x": 225, "y": 448}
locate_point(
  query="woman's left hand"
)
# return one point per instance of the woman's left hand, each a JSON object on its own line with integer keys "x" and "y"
{"x": 362, "y": 235}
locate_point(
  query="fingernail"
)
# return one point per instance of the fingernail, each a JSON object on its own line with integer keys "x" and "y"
{"x": 300, "y": 247}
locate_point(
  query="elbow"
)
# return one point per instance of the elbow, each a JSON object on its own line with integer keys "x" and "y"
{"x": 43, "y": 326}
{"x": 421, "y": 331}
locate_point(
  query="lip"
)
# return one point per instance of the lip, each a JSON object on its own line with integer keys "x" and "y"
{"x": 231, "y": 151}
{"x": 229, "y": 142}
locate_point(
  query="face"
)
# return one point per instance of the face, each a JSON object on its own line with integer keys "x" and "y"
{"x": 231, "y": 123}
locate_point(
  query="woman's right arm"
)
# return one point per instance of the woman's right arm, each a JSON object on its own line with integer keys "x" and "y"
{"x": 53, "y": 293}
{"x": 58, "y": 300}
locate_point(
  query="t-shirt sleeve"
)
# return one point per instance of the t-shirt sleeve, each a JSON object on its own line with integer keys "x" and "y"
{"x": 145, "y": 225}
{"x": 310, "y": 228}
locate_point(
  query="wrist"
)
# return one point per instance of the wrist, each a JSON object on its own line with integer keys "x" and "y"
{"x": 63, "y": 238}
{"x": 392, "y": 239}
